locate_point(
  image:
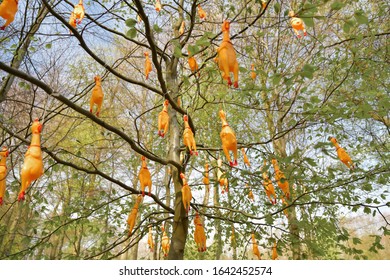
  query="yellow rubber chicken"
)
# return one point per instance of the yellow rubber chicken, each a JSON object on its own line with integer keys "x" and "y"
{"x": 246, "y": 160}
{"x": 133, "y": 214}
{"x": 148, "y": 65}
{"x": 32, "y": 167}
{"x": 192, "y": 63}
{"x": 253, "y": 73}
{"x": 186, "y": 193}
{"x": 150, "y": 239}
{"x": 297, "y": 24}
{"x": 165, "y": 243}
{"x": 182, "y": 27}
{"x": 206, "y": 180}
{"x": 199, "y": 234}
{"x": 269, "y": 187}
{"x": 97, "y": 96}
{"x": 188, "y": 137}
{"x": 227, "y": 60}
{"x": 274, "y": 252}
{"x": 163, "y": 120}
{"x": 281, "y": 179}
{"x": 202, "y": 14}
{"x": 145, "y": 177}
{"x": 3, "y": 172}
{"x": 223, "y": 181}
{"x": 79, "y": 11}
{"x": 228, "y": 138}
{"x": 342, "y": 154}
{"x": 157, "y": 6}
{"x": 256, "y": 250}
{"x": 8, "y": 9}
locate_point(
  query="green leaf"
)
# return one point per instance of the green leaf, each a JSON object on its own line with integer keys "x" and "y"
{"x": 308, "y": 21}
{"x": 193, "y": 49}
{"x": 157, "y": 28}
{"x": 48, "y": 46}
{"x": 177, "y": 52}
{"x": 277, "y": 8}
{"x": 131, "y": 22}
{"x": 337, "y": 5}
{"x": 360, "y": 17}
{"x": 131, "y": 33}
{"x": 307, "y": 71}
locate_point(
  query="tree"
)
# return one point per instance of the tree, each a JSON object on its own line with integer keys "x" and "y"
{"x": 332, "y": 82}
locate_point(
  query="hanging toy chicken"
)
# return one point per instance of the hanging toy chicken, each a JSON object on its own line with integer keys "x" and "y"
{"x": 97, "y": 96}
{"x": 202, "y": 14}
{"x": 297, "y": 24}
{"x": 182, "y": 27}
{"x": 157, "y": 6}
{"x": 199, "y": 235}
{"x": 8, "y": 9}
{"x": 144, "y": 177}
{"x": 274, "y": 252}
{"x": 253, "y": 73}
{"x": 342, "y": 154}
{"x": 246, "y": 160}
{"x": 269, "y": 187}
{"x": 32, "y": 167}
{"x": 79, "y": 11}
{"x": 148, "y": 65}
{"x": 256, "y": 250}
{"x": 281, "y": 179}
{"x": 72, "y": 21}
{"x": 165, "y": 243}
{"x": 229, "y": 141}
{"x": 223, "y": 181}
{"x": 3, "y": 172}
{"x": 188, "y": 137}
{"x": 150, "y": 239}
{"x": 192, "y": 63}
{"x": 163, "y": 120}
{"x": 206, "y": 180}
{"x": 133, "y": 214}
{"x": 227, "y": 60}
{"x": 250, "y": 193}
{"x": 186, "y": 193}
{"x": 263, "y": 4}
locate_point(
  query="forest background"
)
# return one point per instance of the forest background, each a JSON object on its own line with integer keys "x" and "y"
{"x": 332, "y": 82}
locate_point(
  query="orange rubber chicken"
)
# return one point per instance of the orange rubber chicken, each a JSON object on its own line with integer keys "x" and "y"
{"x": 133, "y": 214}
{"x": 223, "y": 181}
{"x": 250, "y": 193}
{"x": 182, "y": 27}
{"x": 269, "y": 187}
{"x": 281, "y": 179}
{"x": 79, "y": 11}
{"x": 192, "y": 63}
{"x": 3, "y": 172}
{"x": 256, "y": 250}
{"x": 97, "y": 96}
{"x": 165, "y": 243}
{"x": 253, "y": 73}
{"x": 263, "y": 4}
{"x": 199, "y": 234}
{"x": 150, "y": 239}
{"x": 342, "y": 154}
{"x": 163, "y": 120}
{"x": 8, "y": 9}
{"x": 202, "y": 14}
{"x": 227, "y": 60}
{"x": 297, "y": 24}
{"x": 72, "y": 21}
{"x": 148, "y": 65}
{"x": 274, "y": 252}
{"x": 206, "y": 180}
{"x": 186, "y": 194}
{"x": 229, "y": 141}
{"x": 246, "y": 160}
{"x": 188, "y": 137}
{"x": 144, "y": 177}
{"x": 32, "y": 167}
{"x": 157, "y": 6}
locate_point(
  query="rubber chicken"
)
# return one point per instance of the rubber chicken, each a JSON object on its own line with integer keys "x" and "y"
{"x": 32, "y": 167}
{"x": 274, "y": 252}
{"x": 253, "y": 73}
{"x": 165, "y": 243}
{"x": 223, "y": 181}
{"x": 148, "y": 65}
{"x": 269, "y": 187}
{"x": 192, "y": 63}
{"x": 150, "y": 239}
{"x": 133, "y": 214}
{"x": 199, "y": 234}
{"x": 297, "y": 24}
{"x": 188, "y": 137}
{"x": 246, "y": 160}
{"x": 8, "y": 9}
{"x": 186, "y": 193}
{"x": 79, "y": 11}
{"x": 342, "y": 154}
{"x": 144, "y": 177}
{"x": 182, "y": 27}
{"x": 227, "y": 60}
{"x": 250, "y": 193}
{"x": 163, "y": 120}
{"x": 202, "y": 14}
{"x": 158, "y": 6}
{"x": 281, "y": 179}
{"x": 3, "y": 172}
{"x": 229, "y": 141}
{"x": 72, "y": 21}
{"x": 256, "y": 250}
{"x": 263, "y": 4}
{"x": 97, "y": 96}
{"x": 206, "y": 180}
